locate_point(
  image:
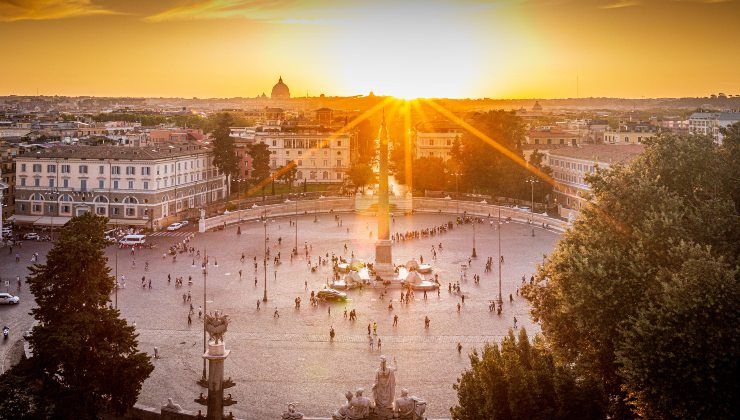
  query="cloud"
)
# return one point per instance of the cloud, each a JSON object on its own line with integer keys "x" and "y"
{"x": 222, "y": 9}
{"x": 620, "y": 4}
{"x": 14, "y": 10}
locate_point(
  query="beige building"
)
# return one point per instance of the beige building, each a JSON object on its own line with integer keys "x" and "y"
{"x": 435, "y": 139}
{"x": 571, "y": 166}
{"x": 131, "y": 186}
{"x": 619, "y": 137}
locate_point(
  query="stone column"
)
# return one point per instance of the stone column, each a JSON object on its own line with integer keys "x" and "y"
{"x": 383, "y": 248}
{"x": 216, "y": 355}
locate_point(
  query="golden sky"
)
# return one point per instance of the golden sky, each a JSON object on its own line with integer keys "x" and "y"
{"x": 431, "y": 48}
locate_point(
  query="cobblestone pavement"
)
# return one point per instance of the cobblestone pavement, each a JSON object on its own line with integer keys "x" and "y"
{"x": 279, "y": 360}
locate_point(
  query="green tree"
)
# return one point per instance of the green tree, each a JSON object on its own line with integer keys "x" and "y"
{"x": 679, "y": 355}
{"x": 520, "y": 380}
{"x": 288, "y": 173}
{"x": 85, "y": 358}
{"x": 429, "y": 174}
{"x": 361, "y": 175}
{"x": 224, "y": 152}
{"x": 483, "y": 168}
{"x": 260, "y": 164}
{"x": 624, "y": 250}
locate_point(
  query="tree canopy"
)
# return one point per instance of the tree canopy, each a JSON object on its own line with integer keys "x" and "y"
{"x": 520, "y": 380}
{"x": 224, "y": 153}
{"x": 80, "y": 343}
{"x": 656, "y": 230}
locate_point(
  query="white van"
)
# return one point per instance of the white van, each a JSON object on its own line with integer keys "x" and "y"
{"x": 133, "y": 240}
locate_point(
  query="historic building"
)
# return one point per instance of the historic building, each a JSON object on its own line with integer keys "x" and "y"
{"x": 571, "y": 165}
{"x": 280, "y": 90}
{"x": 435, "y": 139}
{"x": 131, "y": 186}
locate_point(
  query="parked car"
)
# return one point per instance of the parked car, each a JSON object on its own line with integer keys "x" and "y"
{"x": 32, "y": 236}
{"x": 8, "y": 299}
{"x": 331, "y": 294}
{"x": 174, "y": 226}
{"x": 184, "y": 222}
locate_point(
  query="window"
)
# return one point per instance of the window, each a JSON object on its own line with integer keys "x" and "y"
{"x": 146, "y": 185}
{"x": 23, "y": 167}
{"x": 145, "y": 170}
{"x": 339, "y": 143}
{"x": 274, "y": 142}
{"x": 83, "y": 169}
{"x": 65, "y": 183}
{"x": 23, "y": 182}
{"x": 51, "y": 168}
{"x": 37, "y": 208}
{"x": 115, "y": 170}
{"x": 100, "y": 211}
{"x": 65, "y": 169}
{"x": 37, "y": 167}
{"x": 339, "y": 152}
{"x": 51, "y": 182}
{"x": 36, "y": 182}
{"x": 101, "y": 183}
{"x": 339, "y": 175}
{"x": 130, "y": 170}
{"x": 131, "y": 185}
{"x": 339, "y": 162}
{"x": 101, "y": 169}
{"x": 83, "y": 185}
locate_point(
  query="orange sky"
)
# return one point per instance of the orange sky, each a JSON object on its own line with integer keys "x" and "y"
{"x": 463, "y": 48}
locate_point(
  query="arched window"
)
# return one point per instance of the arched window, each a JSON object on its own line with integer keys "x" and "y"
{"x": 101, "y": 199}
{"x": 65, "y": 205}
{"x": 101, "y": 205}
{"x": 130, "y": 200}
{"x": 37, "y": 203}
{"x": 165, "y": 206}
{"x": 36, "y": 197}
{"x": 326, "y": 175}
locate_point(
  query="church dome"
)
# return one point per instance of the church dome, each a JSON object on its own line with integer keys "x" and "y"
{"x": 280, "y": 90}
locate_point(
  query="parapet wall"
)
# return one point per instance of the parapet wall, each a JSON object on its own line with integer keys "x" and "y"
{"x": 351, "y": 204}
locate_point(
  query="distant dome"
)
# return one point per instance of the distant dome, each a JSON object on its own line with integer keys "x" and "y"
{"x": 537, "y": 106}
{"x": 280, "y": 90}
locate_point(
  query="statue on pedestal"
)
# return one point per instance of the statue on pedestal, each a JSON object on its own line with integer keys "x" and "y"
{"x": 342, "y": 413}
{"x": 384, "y": 389}
{"x": 216, "y": 326}
{"x": 359, "y": 407}
{"x": 409, "y": 408}
{"x": 292, "y": 414}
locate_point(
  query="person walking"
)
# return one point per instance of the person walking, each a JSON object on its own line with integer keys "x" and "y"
{"x": 276, "y": 314}
{"x": 368, "y": 329}
{"x": 514, "y": 322}
{"x": 375, "y": 328}
{"x": 459, "y": 348}
{"x": 258, "y": 304}
{"x": 372, "y": 342}
{"x": 331, "y": 333}
{"x": 395, "y": 320}
{"x": 190, "y": 319}
{"x": 380, "y": 344}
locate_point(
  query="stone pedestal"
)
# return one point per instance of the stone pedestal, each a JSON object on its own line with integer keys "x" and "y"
{"x": 216, "y": 355}
{"x": 384, "y": 260}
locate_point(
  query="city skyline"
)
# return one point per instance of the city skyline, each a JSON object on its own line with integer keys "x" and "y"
{"x": 469, "y": 49}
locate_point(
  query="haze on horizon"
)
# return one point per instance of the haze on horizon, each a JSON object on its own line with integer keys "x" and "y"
{"x": 435, "y": 48}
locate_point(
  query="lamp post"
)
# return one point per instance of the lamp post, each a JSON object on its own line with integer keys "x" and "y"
{"x": 531, "y": 182}
{"x": 204, "y": 378}
{"x": 475, "y": 222}
{"x": 500, "y": 300}
{"x": 264, "y": 261}
{"x": 295, "y": 250}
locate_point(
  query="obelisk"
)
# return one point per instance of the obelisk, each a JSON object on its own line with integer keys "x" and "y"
{"x": 383, "y": 256}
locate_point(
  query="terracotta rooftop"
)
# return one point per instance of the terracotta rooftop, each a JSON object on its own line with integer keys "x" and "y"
{"x": 117, "y": 152}
{"x": 605, "y": 153}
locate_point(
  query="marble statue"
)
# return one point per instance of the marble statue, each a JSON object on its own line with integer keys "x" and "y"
{"x": 171, "y": 406}
{"x": 359, "y": 407}
{"x": 384, "y": 389}
{"x": 216, "y": 326}
{"x": 292, "y": 414}
{"x": 409, "y": 408}
{"x": 342, "y": 413}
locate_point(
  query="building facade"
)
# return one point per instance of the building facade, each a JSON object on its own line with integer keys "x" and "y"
{"x": 435, "y": 140}
{"x": 571, "y": 166}
{"x": 711, "y": 123}
{"x": 129, "y": 185}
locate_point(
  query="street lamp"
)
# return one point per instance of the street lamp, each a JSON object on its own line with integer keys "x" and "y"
{"x": 264, "y": 261}
{"x": 475, "y": 221}
{"x": 500, "y": 300}
{"x": 204, "y": 379}
{"x": 532, "y": 181}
